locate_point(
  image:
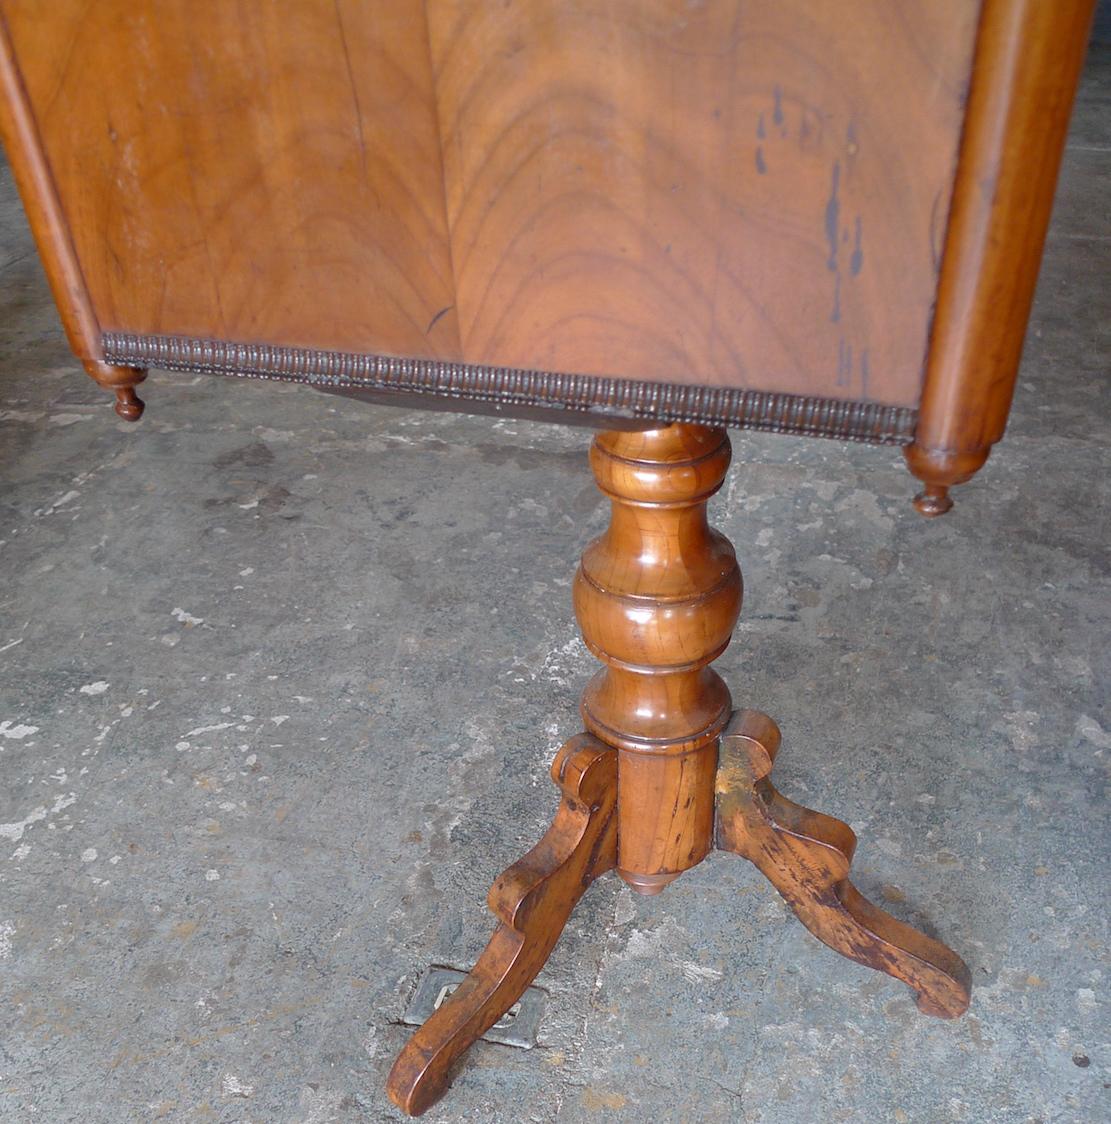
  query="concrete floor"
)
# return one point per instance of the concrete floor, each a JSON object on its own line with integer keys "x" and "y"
{"x": 282, "y": 675}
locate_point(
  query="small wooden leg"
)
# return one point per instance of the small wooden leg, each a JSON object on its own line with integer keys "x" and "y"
{"x": 532, "y": 900}
{"x": 806, "y": 856}
{"x": 123, "y": 381}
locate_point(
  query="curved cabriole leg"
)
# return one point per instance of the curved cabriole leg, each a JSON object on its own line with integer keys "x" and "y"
{"x": 806, "y": 856}
{"x": 532, "y": 900}
{"x": 122, "y": 380}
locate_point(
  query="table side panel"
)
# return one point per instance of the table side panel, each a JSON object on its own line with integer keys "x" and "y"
{"x": 732, "y": 195}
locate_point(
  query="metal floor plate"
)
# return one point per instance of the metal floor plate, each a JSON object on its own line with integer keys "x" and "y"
{"x": 518, "y": 1027}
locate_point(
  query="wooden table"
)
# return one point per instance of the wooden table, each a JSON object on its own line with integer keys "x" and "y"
{"x": 656, "y": 217}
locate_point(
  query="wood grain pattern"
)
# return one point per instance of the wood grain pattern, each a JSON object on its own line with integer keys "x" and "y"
{"x": 721, "y": 192}
{"x": 532, "y": 900}
{"x": 1028, "y": 60}
{"x": 806, "y": 856}
{"x": 657, "y": 597}
{"x": 263, "y": 171}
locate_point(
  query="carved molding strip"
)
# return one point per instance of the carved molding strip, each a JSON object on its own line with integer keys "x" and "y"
{"x": 867, "y": 422}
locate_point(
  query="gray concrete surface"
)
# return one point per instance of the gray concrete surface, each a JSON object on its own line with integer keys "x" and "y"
{"x": 282, "y": 674}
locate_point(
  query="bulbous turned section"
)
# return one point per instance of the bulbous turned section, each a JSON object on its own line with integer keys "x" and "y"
{"x": 123, "y": 381}
{"x": 657, "y": 597}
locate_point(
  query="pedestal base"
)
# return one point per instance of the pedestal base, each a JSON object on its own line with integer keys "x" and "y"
{"x": 664, "y": 776}
{"x": 804, "y": 854}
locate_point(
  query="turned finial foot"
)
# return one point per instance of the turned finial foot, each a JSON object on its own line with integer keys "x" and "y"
{"x": 939, "y": 469}
{"x": 129, "y": 405}
{"x": 933, "y": 500}
{"x": 123, "y": 381}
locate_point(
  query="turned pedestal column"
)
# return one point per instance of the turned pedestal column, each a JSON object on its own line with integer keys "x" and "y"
{"x": 657, "y": 597}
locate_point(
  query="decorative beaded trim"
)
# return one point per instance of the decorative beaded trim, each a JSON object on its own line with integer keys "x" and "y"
{"x": 868, "y": 422}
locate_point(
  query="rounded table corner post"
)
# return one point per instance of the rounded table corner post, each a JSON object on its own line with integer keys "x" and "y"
{"x": 1028, "y": 58}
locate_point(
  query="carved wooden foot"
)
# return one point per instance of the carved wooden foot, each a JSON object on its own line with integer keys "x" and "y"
{"x": 806, "y": 856}
{"x": 532, "y": 900}
{"x": 123, "y": 381}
